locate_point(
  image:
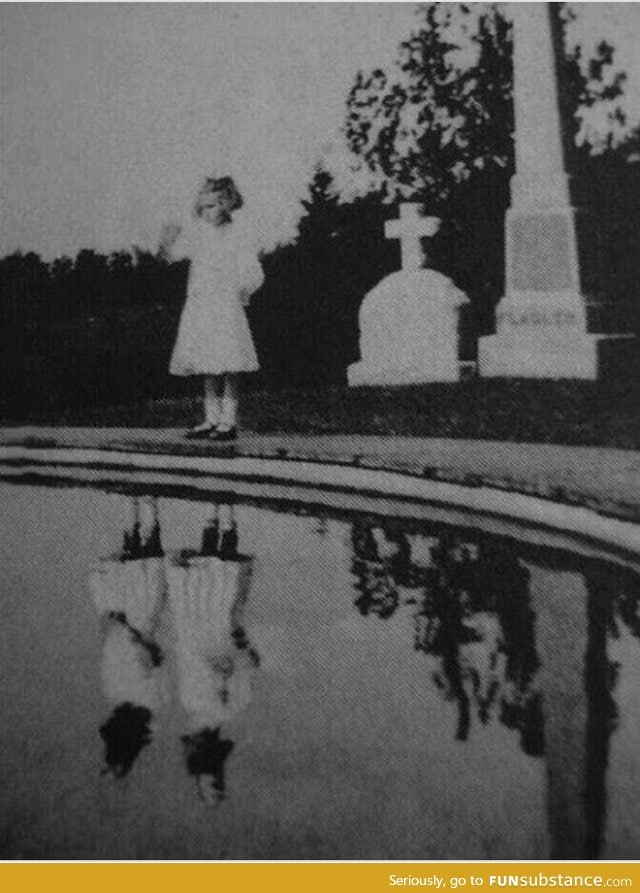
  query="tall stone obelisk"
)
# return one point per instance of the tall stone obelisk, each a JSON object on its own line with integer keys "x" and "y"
{"x": 541, "y": 320}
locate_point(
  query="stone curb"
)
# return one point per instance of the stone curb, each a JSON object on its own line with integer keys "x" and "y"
{"x": 553, "y": 486}
{"x": 320, "y": 482}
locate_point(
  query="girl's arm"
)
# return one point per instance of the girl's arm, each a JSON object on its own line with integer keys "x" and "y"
{"x": 169, "y": 235}
{"x": 252, "y": 277}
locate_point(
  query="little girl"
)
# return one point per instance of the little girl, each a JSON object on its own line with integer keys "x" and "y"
{"x": 214, "y": 339}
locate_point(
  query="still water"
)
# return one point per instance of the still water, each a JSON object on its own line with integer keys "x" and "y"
{"x": 311, "y": 687}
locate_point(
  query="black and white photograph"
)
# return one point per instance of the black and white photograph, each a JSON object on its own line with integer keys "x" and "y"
{"x": 319, "y": 431}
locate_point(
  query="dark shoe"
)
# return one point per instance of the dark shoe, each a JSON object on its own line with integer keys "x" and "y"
{"x": 200, "y": 432}
{"x": 224, "y": 436}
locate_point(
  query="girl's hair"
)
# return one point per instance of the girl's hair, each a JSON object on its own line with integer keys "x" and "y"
{"x": 213, "y": 185}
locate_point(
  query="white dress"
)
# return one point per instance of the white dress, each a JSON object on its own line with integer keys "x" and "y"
{"x": 214, "y": 335}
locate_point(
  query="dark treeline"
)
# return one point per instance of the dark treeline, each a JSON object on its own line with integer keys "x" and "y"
{"x": 99, "y": 329}
{"x": 93, "y": 329}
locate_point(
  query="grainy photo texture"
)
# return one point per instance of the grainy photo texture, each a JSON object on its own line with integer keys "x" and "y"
{"x": 320, "y": 438}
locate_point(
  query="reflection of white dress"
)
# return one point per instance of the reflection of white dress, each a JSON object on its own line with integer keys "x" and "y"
{"x": 137, "y": 590}
{"x": 207, "y": 596}
{"x": 133, "y": 588}
{"x": 214, "y": 335}
{"x": 128, "y": 674}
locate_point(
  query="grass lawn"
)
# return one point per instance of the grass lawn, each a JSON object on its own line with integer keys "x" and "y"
{"x": 568, "y": 412}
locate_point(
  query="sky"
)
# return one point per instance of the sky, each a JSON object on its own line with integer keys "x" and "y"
{"x": 112, "y": 113}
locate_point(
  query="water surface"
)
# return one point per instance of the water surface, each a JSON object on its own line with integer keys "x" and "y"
{"x": 354, "y": 687}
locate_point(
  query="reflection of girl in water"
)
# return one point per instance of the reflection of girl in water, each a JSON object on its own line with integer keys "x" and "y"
{"x": 215, "y": 662}
{"x": 207, "y": 593}
{"x": 129, "y": 592}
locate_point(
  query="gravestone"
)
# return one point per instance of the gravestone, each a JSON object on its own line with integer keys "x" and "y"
{"x": 409, "y": 321}
{"x": 541, "y": 322}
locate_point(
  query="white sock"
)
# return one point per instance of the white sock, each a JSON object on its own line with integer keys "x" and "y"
{"x": 226, "y": 516}
{"x": 229, "y": 408}
{"x": 212, "y": 401}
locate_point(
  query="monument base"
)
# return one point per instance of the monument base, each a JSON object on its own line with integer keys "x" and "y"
{"x": 588, "y": 357}
{"x": 524, "y": 356}
{"x": 540, "y": 335}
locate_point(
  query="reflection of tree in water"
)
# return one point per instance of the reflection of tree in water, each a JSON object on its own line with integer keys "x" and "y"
{"x": 619, "y": 590}
{"x": 473, "y": 613}
{"x": 375, "y": 582}
{"x": 627, "y": 606}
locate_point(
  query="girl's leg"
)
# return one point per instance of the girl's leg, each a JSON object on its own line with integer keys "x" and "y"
{"x": 211, "y": 534}
{"x": 212, "y": 400}
{"x": 150, "y": 527}
{"x": 228, "y": 532}
{"x": 230, "y": 398}
{"x": 148, "y": 513}
{"x": 226, "y": 516}
{"x": 134, "y": 512}
{"x": 211, "y": 404}
{"x": 131, "y": 538}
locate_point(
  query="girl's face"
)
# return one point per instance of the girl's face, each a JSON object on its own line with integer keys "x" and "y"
{"x": 216, "y": 208}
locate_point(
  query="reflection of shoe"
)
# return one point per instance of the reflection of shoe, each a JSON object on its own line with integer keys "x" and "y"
{"x": 200, "y": 431}
{"x": 229, "y": 544}
{"x": 125, "y": 734}
{"x": 223, "y": 436}
{"x": 205, "y": 753}
{"x": 210, "y": 538}
{"x": 209, "y": 790}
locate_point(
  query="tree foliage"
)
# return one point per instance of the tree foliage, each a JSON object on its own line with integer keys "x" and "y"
{"x": 96, "y": 328}
{"x": 305, "y": 318}
{"x": 590, "y": 85}
{"x": 444, "y": 113}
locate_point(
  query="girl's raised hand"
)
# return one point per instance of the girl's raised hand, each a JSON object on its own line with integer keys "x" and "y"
{"x": 168, "y": 235}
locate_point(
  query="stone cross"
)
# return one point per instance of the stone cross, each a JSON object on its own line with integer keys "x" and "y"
{"x": 410, "y": 229}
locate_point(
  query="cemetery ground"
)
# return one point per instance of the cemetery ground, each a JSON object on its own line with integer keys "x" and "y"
{"x": 572, "y": 442}
{"x": 576, "y": 413}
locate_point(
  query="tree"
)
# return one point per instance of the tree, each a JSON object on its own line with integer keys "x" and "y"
{"x": 587, "y": 86}
{"x": 445, "y": 113}
{"x": 438, "y": 128}
{"x": 442, "y": 113}
{"x": 305, "y": 318}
